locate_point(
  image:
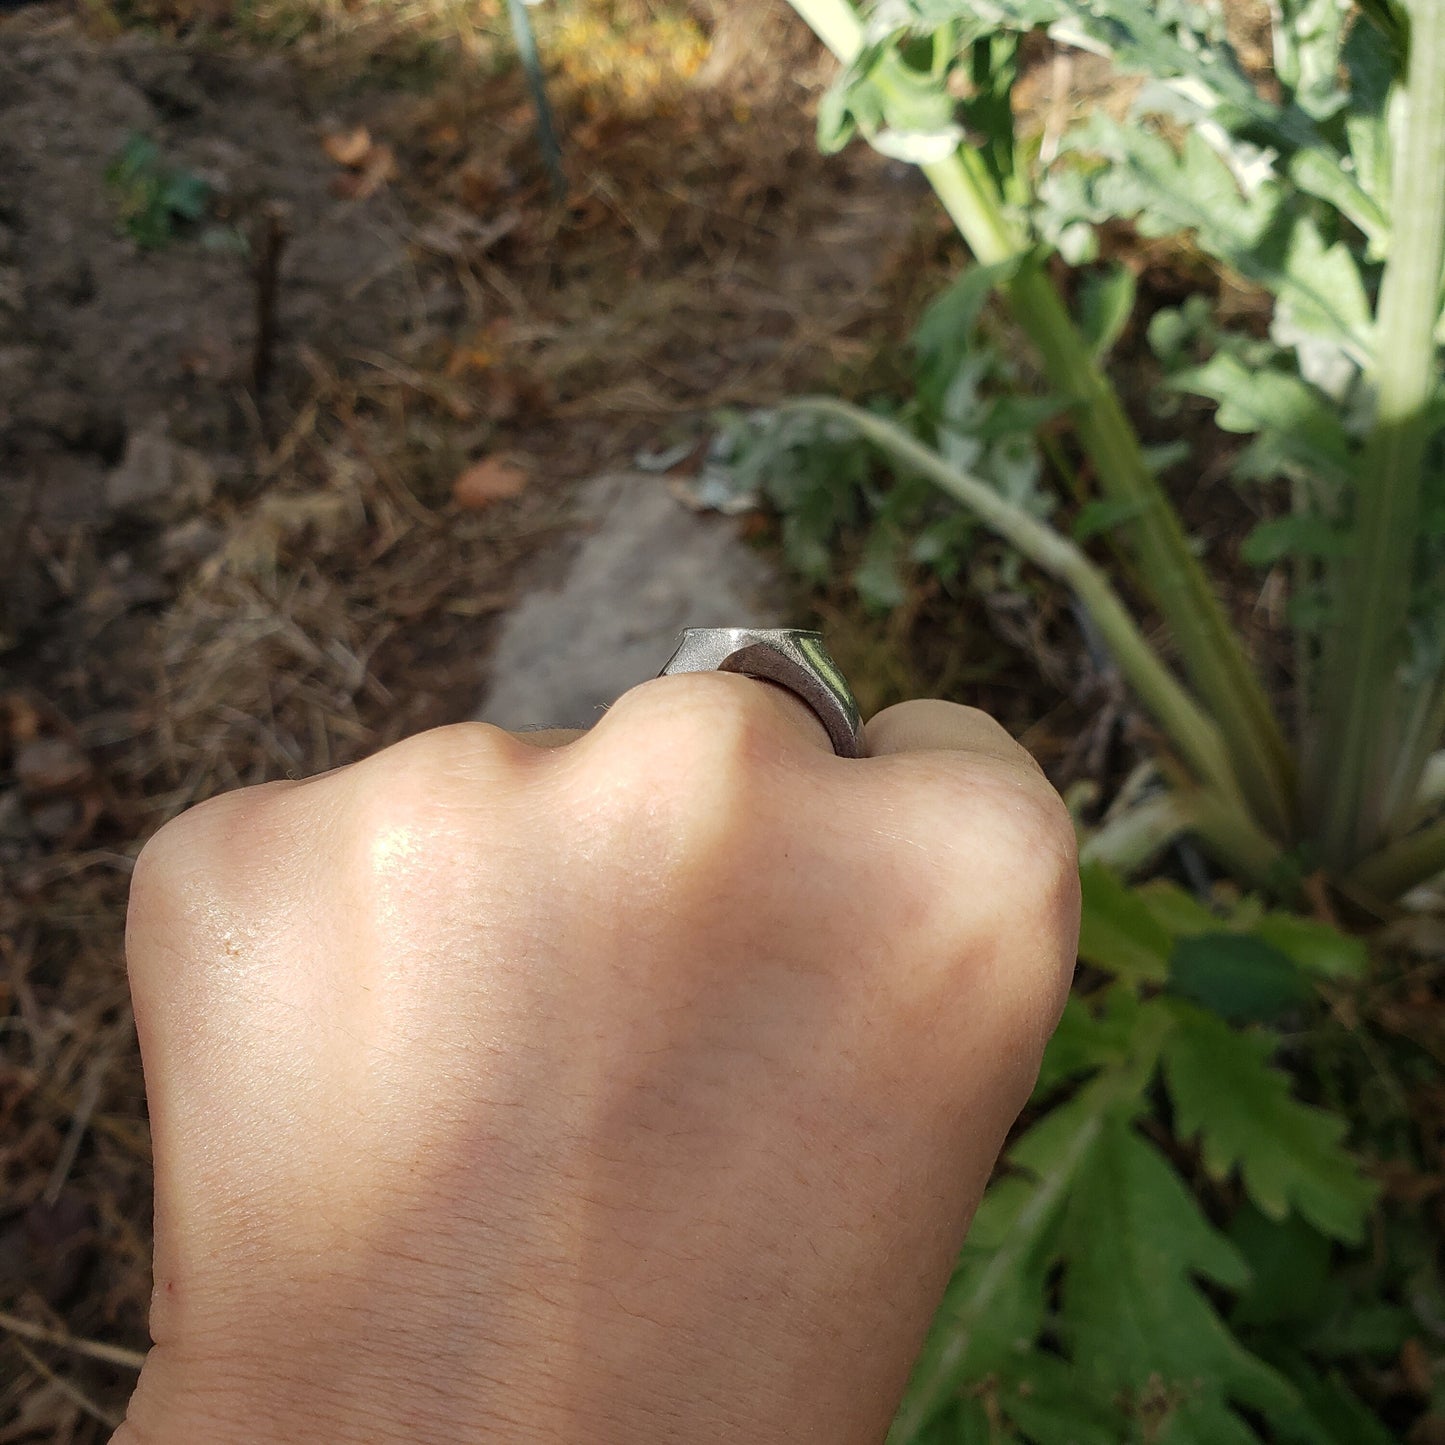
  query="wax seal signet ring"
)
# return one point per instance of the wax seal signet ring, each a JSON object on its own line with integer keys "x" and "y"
{"x": 786, "y": 656}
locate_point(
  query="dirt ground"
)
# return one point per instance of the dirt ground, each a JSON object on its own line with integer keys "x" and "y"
{"x": 225, "y": 559}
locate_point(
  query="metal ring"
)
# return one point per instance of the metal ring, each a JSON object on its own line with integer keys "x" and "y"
{"x": 796, "y": 660}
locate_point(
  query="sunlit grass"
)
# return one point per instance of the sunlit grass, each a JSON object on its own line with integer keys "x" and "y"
{"x": 630, "y": 52}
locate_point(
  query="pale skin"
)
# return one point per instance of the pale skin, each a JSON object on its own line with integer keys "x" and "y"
{"x": 632, "y": 1086}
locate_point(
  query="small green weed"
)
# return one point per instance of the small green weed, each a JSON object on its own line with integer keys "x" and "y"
{"x": 154, "y": 200}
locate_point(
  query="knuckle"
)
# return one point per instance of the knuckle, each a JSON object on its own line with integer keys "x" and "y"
{"x": 682, "y": 769}
{"x": 704, "y": 718}
{"x": 192, "y": 865}
{"x": 425, "y": 809}
{"x": 1032, "y": 837}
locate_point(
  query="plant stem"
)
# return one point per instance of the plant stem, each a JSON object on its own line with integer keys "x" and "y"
{"x": 1211, "y": 653}
{"x": 1364, "y": 691}
{"x": 1208, "y": 647}
{"x": 1250, "y": 855}
{"x": 546, "y": 131}
{"x": 1395, "y": 870}
{"x": 1181, "y": 717}
{"x": 835, "y": 23}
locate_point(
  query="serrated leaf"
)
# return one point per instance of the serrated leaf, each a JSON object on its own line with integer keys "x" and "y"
{"x": 1320, "y": 293}
{"x": 994, "y": 1305}
{"x": 1089, "y": 1036}
{"x": 1051, "y": 1401}
{"x": 1330, "y": 1412}
{"x": 1288, "y": 1154}
{"x": 1318, "y": 171}
{"x": 1176, "y": 909}
{"x": 1183, "y": 46}
{"x": 1308, "y": 36}
{"x": 1303, "y": 433}
{"x": 1165, "y": 191}
{"x": 1314, "y": 946}
{"x": 1106, "y": 301}
{"x": 1289, "y": 1267}
{"x": 1237, "y": 976}
{"x": 1132, "y": 1314}
{"x": 1118, "y": 933}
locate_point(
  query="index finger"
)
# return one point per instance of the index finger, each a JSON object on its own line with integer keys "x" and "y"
{"x": 931, "y": 725}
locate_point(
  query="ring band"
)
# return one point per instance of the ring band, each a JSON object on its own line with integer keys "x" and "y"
{"x": 789, "y": 657}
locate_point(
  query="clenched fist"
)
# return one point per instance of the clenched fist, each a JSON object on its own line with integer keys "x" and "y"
{"x": 632, "y": 1087}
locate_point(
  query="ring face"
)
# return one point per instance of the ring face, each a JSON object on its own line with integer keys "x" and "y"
{"x": 787, "y": 656}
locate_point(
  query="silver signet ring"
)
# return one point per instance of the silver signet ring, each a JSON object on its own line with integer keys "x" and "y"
{"x": 796, "y": 660}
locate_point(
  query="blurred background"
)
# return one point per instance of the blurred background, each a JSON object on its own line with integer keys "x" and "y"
{"x": 337, "y": 402}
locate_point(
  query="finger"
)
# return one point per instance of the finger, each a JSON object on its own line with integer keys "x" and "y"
{"x": 549, "y": 737}
{"x": 689, "y": 698}
{"x": 931, "y": 725}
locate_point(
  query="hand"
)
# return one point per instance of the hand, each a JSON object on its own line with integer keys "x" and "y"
{"x": 635, "y": 1089}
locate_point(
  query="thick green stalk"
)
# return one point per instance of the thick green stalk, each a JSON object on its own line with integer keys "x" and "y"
{"x": 1236, "y": 841}
{"x": 1210, "y": 651}
{"x": 1208, "y": 647}
{"x": 1364, "y": 689}
{"x": 1395, "y": 870}
{"x": 1420, "y": 733}
{"x": 1195, "y": 734}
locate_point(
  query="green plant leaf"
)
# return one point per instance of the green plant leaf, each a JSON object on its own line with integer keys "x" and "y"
{"x": 1056, "y": 1404}
{"x": 139, "y": 156}
{"x": 1118, "y": 932}
{"x": 994, "y": 1306}
{"x": 1318, "y": 171}
{"x": 1289, "y": 1269}
{"x": 1103, "y": 514}
{"x": 1300, "y": 535}
{"x": 1090, "y": 1036}
{"x": 1137, "y": 175}
{"x": 1175, "y": 909}
{"x": 879, "y": 577}
{"x": 1308, "y": 38}
{"x": 1331, "y": 1413}
{"x": 1314, "y": 946}
{"x": 1237, "y": 976}
{"x": 1132, "y": 1315}
{"x": 944, "y": 332}
{"x": 1320, "y": 293}
{"x": 1106, "y": 301}
{"x": 943, "y": 545}
{"x": 186, "y": 195}
{"x": 1288, "y": 1154}
{"x": 1301, "y": 432}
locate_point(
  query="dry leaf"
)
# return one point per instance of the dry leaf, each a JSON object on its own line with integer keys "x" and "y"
{"x": 487, "y": 481}
{"x": 378, "y": 168}
{"x": 348, "y": 148}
